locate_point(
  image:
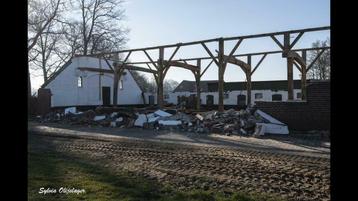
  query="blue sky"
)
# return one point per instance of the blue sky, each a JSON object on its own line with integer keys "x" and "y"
{"x": 160, "y": 22}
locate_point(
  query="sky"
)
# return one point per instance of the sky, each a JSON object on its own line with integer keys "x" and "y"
{"x": 160, "y": 22}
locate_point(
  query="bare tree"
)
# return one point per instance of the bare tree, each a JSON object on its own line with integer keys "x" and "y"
{"x": 40, "y": 15}
{"x": 49, "y": 57}
{"x": 99, "y": 26}
{"x": 321, "y": 69}
{"x": 169, "y": 86}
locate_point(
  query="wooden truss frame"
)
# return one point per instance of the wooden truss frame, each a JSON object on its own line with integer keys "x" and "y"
{"x": 162, "y": 66}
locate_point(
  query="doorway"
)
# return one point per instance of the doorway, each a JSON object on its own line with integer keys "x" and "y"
{"x": 106, "y": 96}
{"x": 241, "y": 100}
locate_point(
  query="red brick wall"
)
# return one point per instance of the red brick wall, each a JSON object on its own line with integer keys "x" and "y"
{"x": 314, "y": 114}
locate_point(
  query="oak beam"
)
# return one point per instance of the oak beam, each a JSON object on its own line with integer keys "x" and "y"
{"x": 206, "y": 68}
{"x": 218, "y": 39}
{"x": 179, "y": 64}
{"x": 296, "y": 39}
{"x": 197, "y": 82}
{"x": 290, "y": 78}
{"x": 258, "y": 64}
{"x": 315, "y": 59}
{"x": 221, "y": 73}
{"x": 160, "y": 84}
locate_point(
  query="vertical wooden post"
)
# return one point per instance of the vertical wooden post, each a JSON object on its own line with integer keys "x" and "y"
{"x": 290, "y": 77}
{"x": 160, "y": 78}
{"x": 304, "y": 77}
{"x": 286, "y": 45}
{"x": 197, "y": 80}
{"x": 115, "y": 79}
{"x": 221, "y": 75}
{"x": 248, "y": 81}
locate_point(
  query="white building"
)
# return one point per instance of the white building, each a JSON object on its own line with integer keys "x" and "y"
{"x": 71, "y": 86}
{"x": 235, "y": 92}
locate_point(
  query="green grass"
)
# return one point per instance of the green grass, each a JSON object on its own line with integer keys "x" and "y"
{"x": 55, "y": 170}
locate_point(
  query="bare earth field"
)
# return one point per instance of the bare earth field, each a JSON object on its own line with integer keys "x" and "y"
{"x": 284, "y": 167}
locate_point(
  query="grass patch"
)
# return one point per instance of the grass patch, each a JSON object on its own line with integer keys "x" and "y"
{"x": 50, "y": 169}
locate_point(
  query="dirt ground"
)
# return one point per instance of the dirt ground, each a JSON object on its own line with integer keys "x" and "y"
{"x": 282, "y": 167}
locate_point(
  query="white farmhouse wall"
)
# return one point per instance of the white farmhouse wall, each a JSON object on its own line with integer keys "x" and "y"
{"x": 65, "y": 91}
{"x": 232, "y": 99}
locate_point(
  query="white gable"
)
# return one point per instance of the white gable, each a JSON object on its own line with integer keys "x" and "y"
{"x": 65, "y": 91}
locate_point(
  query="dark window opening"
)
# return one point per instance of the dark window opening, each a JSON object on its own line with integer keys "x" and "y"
{"x": 276, "y": 97}
{"x": 258, "y": 96}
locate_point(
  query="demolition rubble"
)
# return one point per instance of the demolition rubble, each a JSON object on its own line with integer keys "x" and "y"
{"x": 248, "y": 122}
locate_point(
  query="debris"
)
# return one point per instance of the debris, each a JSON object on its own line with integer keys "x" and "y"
{"x": 169, "y": 122}
{"x": 201, "y": 118}
{"x": 140, "y": 120}
{"x": 259, "y": 129}
{"x": 230, "y": 122}
{"x": 98, "y": 118}
{"x": 70, "y": 110}
{"x": 162, "y": 113}
{"x": 113, "y": 124}
{"x": 272, "y": 125}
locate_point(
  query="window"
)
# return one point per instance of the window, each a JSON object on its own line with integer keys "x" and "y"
{"x": 299, "y": 95}
{"x": 166, "y": 96}
{"x": 276, "y": 97}
{"x": 226, "y": 95}
{"x": 80, "y": 81}
{"x": 258, "y": 96}
{"x": 121, "y": 84}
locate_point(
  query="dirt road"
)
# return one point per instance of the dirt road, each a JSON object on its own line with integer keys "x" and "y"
{"x": 294, "y": 177}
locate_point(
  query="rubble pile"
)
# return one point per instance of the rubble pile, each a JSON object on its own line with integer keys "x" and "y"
{"x": 101, "y": 116}
{"x": 230, "y": 122}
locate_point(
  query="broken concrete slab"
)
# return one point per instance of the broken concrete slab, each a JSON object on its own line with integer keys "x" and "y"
{"x": 99, "y": 118}
{"x": 169, "y": 122}
{"x": 276, "y": 129}
{"x": 201, "y": 118}
{"x": 161, "y": 113}
{"x": 272, "y": 125}
{"x": 140, "y": 120}
{"x": 72, "y": 110}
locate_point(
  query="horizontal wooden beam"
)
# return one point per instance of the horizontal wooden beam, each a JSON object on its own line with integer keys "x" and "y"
{"x": 125, "y": 66}
{"x": 237, "y": 55}
{"x": 98, "y": 70}
{"x": 217, "y": 39}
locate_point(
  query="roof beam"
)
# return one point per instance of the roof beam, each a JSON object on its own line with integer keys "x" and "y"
{"x": 237, "y": 55}
{"x": 98, "y": 70}
{"x": 258, "y": 64}
{"x": 125, "y": 66}
{"x": 182, "y": 65}
{"x": 225, "y": 39}
{"x": 315, "y": 59}
{"x": 238, "y": 62}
